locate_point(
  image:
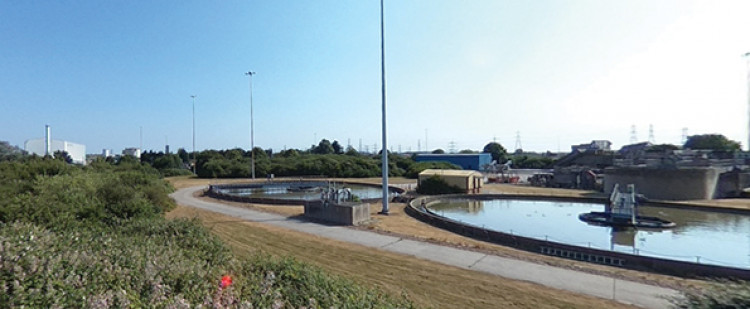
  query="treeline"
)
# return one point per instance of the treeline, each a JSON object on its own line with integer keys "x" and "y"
{"x": 96, "y": 237}
{"x": 327, "y": 159}
{"x": 237, "y": 163}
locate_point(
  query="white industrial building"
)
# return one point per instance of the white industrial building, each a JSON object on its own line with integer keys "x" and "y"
{"x": 136, "y": 152}
{"x": 48, "y": 146}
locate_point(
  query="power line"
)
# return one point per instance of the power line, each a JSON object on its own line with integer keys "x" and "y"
{"x": 518, "y": 141}
{"x": 651, "y": 138}
{"x": 633, "y": 136}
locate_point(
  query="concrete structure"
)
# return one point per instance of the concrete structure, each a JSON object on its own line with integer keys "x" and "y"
{"x": 345, "y": 213}
{"x": 136, "y": 152}
{"x": 43, "y": 146}
{"x": 467, "y": 161}
{"x": 470, "y": 181}
{"x": 594, "y": 145}
{"x": 666, "y": 184}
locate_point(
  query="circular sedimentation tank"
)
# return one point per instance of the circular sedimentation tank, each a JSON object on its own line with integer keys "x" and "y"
{"x": 295, "y": 192}
{"x": 700, "y": 236}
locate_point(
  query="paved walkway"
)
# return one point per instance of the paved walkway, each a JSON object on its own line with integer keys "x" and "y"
{"x": 628, "y": 292}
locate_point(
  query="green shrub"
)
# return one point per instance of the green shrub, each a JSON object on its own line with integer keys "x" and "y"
{"x": 169, "y": 172}
{"x": 83, "y": 237}
{"x": 436, "y": 185}
{"x": 723, "y": 294}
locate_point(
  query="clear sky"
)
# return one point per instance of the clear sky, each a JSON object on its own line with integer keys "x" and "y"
{"x": 459, "y": 73}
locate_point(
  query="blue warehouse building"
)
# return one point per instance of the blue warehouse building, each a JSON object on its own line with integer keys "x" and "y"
{"x": 468, "y": 161}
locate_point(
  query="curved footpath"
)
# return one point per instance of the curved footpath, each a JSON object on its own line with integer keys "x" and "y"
{"x": 628, "y": 292}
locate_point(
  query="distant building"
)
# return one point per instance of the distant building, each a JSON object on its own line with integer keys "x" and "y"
{"x": 467, "y": 161}
{"x": 633, "y": 150}
{"x": 471, "y": 181}
{"x": 594, "y": 145}
{"x": 136, "y": 152}
{"x": 39, "y": 146}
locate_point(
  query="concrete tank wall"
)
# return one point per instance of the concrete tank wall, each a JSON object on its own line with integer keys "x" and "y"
{"x": 666, "y": 184}
{"x": 349, "y": 214}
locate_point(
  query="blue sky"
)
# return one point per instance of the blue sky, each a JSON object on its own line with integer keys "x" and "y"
{"x": 458, "y": 72}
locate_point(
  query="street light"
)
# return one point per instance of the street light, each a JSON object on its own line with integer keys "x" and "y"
{"x": 193, "y": 163}
{"x": 384, "y": 155}
{"x": 252, "y": 141}
{"x": 747, "y": 65}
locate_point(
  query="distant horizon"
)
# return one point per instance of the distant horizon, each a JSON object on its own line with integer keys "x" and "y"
{"x": 369, "y": 151}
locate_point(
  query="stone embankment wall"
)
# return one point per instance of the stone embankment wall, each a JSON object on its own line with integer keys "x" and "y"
{"x": 612, "y": 258}
{"x": 666, "y": 184}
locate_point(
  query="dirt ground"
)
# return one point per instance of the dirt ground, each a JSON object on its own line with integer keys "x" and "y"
{"x": 401, "y": 224}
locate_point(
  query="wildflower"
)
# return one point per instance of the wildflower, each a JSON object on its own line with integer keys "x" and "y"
{"x": 225, "y": 281}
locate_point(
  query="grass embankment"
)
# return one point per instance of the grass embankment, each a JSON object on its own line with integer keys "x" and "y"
{"x": 96, "y": 237}
{"x": 427, "y": 283}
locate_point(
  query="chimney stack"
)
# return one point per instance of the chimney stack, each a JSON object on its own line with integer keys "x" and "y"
{"x": 47, "y": 141}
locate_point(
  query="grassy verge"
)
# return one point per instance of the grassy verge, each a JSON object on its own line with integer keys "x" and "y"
{"x": 96, "y": 237}
{"x": 427, "y": 283}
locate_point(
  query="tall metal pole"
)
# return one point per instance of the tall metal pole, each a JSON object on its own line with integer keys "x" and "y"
{"x": 747, "y": 64}
{"x": 252, "y": 141}
{"x": 384, "y": 155}
{"x": 194, "y": 162}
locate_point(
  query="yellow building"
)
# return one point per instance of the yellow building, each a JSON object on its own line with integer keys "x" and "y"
{"x": 471, "y": 181}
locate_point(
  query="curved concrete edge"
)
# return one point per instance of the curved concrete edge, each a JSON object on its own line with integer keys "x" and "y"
{"x": 627, "y": 292}
{"x": 214, "y": 190}
{"x": 651, "y": 264}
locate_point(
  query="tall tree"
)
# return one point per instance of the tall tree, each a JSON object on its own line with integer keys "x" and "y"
{"x": 183, "y": 154}
{"x": 715, "y": 142}
{"x": 337, "y": 149}
{"x": 10, "y": 153}
{"x": 350, "y": 151}
{"x": 498, "y": 152}
{"x": 63, "y": 156}
{"x": 324, "y": 147}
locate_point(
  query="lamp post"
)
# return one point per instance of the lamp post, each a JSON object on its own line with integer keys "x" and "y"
{"x": 384, "y": 155}
{"x": 193, "y": 163}
{"x": 747, "y": 65}
{"x": 252, "y": 141}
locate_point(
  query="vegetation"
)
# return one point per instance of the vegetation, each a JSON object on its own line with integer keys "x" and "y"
{"x": 8, "y": 152}
{"x": 498, "y": 152}
{"x": 721, "y": 295}
{"x": 326, "y": 159}
{"x": 715, "y": 142}
{"x": 436, "y": 185}
{"x": 522, "y": 161}
{"x": 662, "y": 148}
{"x": 95, "y": 236}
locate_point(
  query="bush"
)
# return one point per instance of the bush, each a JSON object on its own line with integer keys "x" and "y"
{"x": 436, "y": 185}
{"x": 159, "y": 263}
{"x": 94, "y": 237}
{"x": 720, "y": 295}
{"x": 60, "y": 196}
{"x": 169, "y": 172}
